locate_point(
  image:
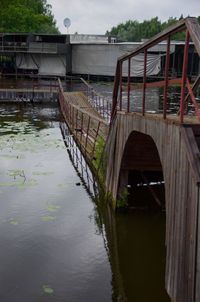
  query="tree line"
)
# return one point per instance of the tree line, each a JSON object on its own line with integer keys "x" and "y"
{"x": 134, "y": 31}
{"x": 26, "y": 16}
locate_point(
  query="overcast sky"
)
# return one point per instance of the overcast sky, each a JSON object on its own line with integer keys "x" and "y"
{"x": 97, "y": 16}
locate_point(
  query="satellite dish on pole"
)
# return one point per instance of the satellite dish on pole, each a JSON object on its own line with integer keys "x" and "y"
{"x": 67, "y": 23}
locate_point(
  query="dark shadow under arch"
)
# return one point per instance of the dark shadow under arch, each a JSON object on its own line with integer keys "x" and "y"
{"x": 141, "y": 173}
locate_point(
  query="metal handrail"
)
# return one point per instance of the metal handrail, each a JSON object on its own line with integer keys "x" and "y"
{"x": 192, "y": 29}
{"x": 79, "y": 121}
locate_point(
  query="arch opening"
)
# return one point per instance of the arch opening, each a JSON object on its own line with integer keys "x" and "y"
{"x": 141, "y": 173}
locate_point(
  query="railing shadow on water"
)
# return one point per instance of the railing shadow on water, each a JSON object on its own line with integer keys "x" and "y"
{"x": 78, "y": 162}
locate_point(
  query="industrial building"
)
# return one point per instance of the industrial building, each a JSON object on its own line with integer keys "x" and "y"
{"x": 94, "y": 55}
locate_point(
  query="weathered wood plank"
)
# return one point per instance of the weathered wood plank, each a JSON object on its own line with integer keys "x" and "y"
{"x": 181, "y": 185}
{"x": 192, "y": 151}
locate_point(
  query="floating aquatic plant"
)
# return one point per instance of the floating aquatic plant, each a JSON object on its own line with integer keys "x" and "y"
{"x": 48, "y": 218}
{"x": 13, "y": 221}
{"x": 43, "y": 173}
{"x": 17, "y": 172}
{"x": 53, "y": 207}
{"x": 47, "y": 289}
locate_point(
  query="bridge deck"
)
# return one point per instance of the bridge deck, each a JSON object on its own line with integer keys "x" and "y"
{"x": 86, "y": 124}
{"x": 79, "y": 99}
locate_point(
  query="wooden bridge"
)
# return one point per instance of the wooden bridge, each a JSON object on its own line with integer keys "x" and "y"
{"x": 144, "y": 148}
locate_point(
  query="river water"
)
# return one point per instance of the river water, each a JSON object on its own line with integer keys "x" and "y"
{"x": 57, "y": 243}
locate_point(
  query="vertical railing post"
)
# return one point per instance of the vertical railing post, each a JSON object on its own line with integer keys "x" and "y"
{"x": 99, "y": 105}
{"x": 76, "y": 121}
{"x": 86, "y": 141}
{"x": 73, "y": 125}
{"x": 184, "y": 75}
{"x": 166, "y": 78}
{"x": 128, "y": 86}
{"x": 70, "y": 114}
{"x": 144, "y": 82}
{"x": 115, "y": 91}
{"x": 81, "y": 126}
{"x": 120, "y": 87}
{"x": 107, "y": 115}
{"x": 95, "y": 139}
{"x": 103, "y": 107}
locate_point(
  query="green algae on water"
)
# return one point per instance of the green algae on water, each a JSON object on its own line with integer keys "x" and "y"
{"x": 53, "y": 207}
{"x": 47, "y": 289}
{"x": 14, "y": 222}
{"x": 48, "y": 218}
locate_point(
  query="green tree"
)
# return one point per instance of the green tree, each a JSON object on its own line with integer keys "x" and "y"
{"x": 26, "y": 16}
{"x": 134, "y": 31}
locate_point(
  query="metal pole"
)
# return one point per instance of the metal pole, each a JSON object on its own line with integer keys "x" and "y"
{"x": 88, "y": 127}
{"x": 120, "y": 94}
{"x": 184, "y": 74}
{"x": 129, "y": 78}
{"x": 81, "y": 125}
{"x": 144, "y": 82}
{"x": 166, "y": 78}
{"x": 95, "y": 140}
{"x": 115, "y": 91}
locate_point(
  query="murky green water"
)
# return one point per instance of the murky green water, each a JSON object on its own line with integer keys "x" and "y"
{"x": 56, "y": 244}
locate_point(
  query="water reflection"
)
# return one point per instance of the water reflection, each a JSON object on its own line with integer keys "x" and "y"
{"x": 78, "y": 162}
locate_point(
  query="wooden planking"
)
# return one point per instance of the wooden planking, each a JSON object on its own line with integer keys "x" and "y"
{"x": 192, "y": 219}
{"x": 192, "y": 151}
{"x": 180, "y": 187}
{"x": 181, "y": 232}
{"x": 197, "y": 283}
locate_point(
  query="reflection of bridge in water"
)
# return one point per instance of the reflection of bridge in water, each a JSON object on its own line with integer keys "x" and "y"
{"x": 143, "y": 150}
{"x": 104, "y": 218}
{"x": 78, "y": 161}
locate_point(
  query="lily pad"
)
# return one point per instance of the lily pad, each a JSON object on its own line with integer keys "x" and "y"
{"x": 14, "y": 222}
{"x": 16, "y": 172}
{"x": 53, "y": 207}
{"x": 10, "y": 184}
{"x": 48, "y": 218}
{"x": 42, "y": 173}
{"x": 47, "y": 289}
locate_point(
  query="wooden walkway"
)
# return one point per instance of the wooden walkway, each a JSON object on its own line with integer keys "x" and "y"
{"x": 86, "y": 124}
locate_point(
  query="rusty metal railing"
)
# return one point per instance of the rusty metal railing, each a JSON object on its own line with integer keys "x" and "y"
{"x": 99, "y": 102}
{"x": 123, "y": 84}
{"x": 86, "y": 127}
